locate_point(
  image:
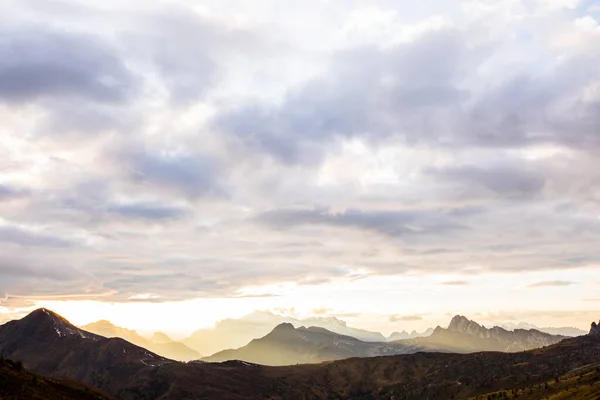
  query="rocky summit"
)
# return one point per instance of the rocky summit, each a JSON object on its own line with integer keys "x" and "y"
{"x": 595, "y": 330}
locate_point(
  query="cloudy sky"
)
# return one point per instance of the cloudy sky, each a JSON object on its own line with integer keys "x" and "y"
{"x": 392, "y": 162}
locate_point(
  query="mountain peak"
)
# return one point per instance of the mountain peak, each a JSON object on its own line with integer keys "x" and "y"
{"x": 595, "y": 330}
{"x": 160, "y": 337}
{"x": 284, "y": 326}
{"x": 46, "y": 322}
{"x": 460, "y": 323}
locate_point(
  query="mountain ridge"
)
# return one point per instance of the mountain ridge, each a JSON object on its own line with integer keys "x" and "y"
{"x": 132, "y": 373}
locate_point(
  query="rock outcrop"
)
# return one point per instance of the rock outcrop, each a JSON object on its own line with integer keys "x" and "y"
{"x": 595, "y": 330}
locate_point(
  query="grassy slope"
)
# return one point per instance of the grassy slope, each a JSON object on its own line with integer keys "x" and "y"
{"x": 580, "y": 384}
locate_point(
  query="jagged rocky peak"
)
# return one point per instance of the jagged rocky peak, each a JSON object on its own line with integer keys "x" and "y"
{"x": 595, "y": 330}
{"x": 460, "y": 323}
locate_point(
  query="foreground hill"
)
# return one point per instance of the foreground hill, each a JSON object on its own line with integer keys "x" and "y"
{"x": 159, "y": 343}
{"x": 18, "y": 384}
{"x": 48, "y": 344}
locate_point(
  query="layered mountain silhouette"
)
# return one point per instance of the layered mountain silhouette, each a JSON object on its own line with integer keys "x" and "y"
{"x": 286, "y": 345}
{"x": 466, "y": 336}
{"x": 564, "y": 330}
{"x": 405, "y": 335}
{"x": 48, "y": 344}
{"x": 233, "y": 333}
{"x": 159, "y": 343}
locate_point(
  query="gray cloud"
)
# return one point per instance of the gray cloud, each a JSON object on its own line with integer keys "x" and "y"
{"x": 329, "y": 107}
{"x": 147, "y": 211}
{"x": 8, "y": 193}
{"x": 390, "y": 223}
{"x": 25, "y": 237}
{"x": 404, "y": 318}
{"x": 456, "y": 283}
{"x": 552, "y": 284}
{"x": 509, "y": 180}
{"x": 37, "y": 62}
{"x": 192, "y": 175}
{"x": 233, "y": 202}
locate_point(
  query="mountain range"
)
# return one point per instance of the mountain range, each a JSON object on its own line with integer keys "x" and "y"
{"x": 48, "y": 344}
{"x": 159, "y": 343}
{"x": 405, "y": 335}
{"x": 233, "y": 333}
{"x": 286, "y": 345}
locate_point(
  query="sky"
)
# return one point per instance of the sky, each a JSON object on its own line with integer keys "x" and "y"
{"x": 393, "y": 163}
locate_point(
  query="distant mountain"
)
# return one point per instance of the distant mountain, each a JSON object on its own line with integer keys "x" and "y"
{"x": 286, "y": 345}
{"x": 405, "y": 335}
{"x": 233, "y": 333}
{"x": 466, "y": 336}
{"x": 18, "y": 384}
{"x": 50, "y": 345}
{"x": 161, "y": 338}
{"x": 564, "y": 331}
{"x": 160, "y": 343}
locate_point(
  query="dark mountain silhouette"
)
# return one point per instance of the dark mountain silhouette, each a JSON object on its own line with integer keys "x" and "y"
{"x": 159, "y": 343}
{"x": 48, "y": 344}
{"x": 595, "y": 329}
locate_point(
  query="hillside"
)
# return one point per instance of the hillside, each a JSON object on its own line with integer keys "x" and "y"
{"x": 19, "y": 384}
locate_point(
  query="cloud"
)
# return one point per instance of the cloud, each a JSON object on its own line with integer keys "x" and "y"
{"x": 456, "y": 283}
{"x": 509, "y": 179}
{"x": 188, "y": 152}
{"x": 391, "y": 223}
{"x": 28, "y": 237}
{"x": 314, "y": 116}
{"x": 147, "y": 211}
{"x": 405, "y": 318}
{"x": 43, "y": 63}
{"x": 192, "y": 175}
{"x": 552, "y": 284}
